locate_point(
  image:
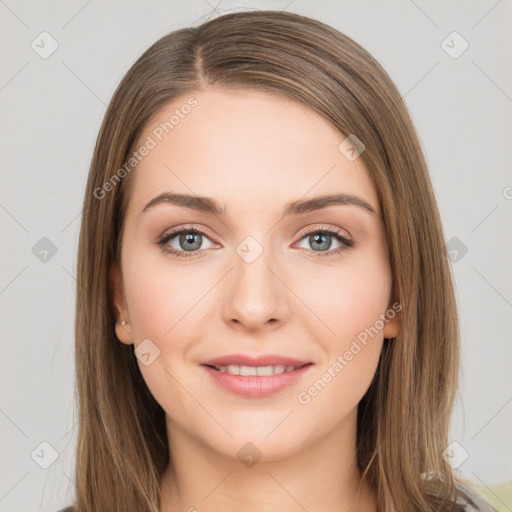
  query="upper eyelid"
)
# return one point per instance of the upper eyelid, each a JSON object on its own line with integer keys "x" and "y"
{"x": 322, "y": 227}
{"x": 176, "y": 231}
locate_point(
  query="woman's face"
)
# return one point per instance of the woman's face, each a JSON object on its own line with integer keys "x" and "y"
{"x": 264, "y": 276}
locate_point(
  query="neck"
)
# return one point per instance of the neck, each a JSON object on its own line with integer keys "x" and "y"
{"x": 323, "y": 476}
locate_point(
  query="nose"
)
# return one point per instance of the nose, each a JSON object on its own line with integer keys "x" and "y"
{"x": 255, "y": 296}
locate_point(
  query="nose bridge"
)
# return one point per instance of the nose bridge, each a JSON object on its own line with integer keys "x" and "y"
{"x": 255, "y": 295}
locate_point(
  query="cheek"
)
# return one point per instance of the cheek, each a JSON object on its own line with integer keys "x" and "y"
{"x": 161, "y": 306}
{"x": 160, "y": 297}
{"x": 351, "y": 305}
{"x": 350, "y": 297}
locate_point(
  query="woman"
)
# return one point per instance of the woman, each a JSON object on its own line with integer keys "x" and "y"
{"x": 265, "y": 311}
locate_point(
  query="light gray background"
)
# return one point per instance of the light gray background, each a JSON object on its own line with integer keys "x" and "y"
{"x": 51, "y": 110}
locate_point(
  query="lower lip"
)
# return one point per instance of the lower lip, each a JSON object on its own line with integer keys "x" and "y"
{"x": 253, "y": 386}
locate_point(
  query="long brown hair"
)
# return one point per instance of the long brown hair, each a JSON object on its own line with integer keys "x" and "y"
{"x": 403, "y": 419}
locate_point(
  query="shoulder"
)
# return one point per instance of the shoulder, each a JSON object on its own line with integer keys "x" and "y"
{"x": 471, "y": 498}
{"x": 67, "y": 509}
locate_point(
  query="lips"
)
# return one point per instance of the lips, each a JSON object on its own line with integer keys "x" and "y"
{"x": 255, "y": 377}
{"x": 256, "y": 386}
{"x": 263, "y": 360}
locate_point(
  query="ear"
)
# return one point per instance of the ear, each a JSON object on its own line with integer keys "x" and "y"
{"x": 392, "y": 325}
{"x": 123, "y": 332}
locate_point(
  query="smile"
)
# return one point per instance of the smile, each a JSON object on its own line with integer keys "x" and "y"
{"x": 256, "y": 381}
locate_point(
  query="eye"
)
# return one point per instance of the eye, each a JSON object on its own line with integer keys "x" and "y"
{"x": 184, "y": 242}
{"x": 321, "y": 240}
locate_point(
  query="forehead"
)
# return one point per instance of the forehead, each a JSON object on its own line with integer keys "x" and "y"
{"x": 246, "y": 149}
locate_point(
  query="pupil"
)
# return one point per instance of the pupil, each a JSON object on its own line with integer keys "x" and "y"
{"x": 191, "y": 238}
{"x": 320, "y": 239}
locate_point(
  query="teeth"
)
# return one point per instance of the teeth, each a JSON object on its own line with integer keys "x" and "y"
{"x": 235, "y": 369}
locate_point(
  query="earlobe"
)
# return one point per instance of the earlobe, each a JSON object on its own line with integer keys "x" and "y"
{"x": 122, "y": 326}
{"x": 392, "y": 325}
{"x": 392, "y": 328}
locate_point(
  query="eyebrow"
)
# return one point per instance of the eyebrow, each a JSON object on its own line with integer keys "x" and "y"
{"x": 209, "y": 205}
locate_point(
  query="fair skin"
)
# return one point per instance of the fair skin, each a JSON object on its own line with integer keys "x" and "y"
{"x": 253, "y": 153}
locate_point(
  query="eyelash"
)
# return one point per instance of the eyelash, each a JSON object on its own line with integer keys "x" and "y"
{"x": 164, "y": 239}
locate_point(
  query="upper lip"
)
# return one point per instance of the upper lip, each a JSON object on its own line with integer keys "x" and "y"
{"x": 263, "y": 360}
